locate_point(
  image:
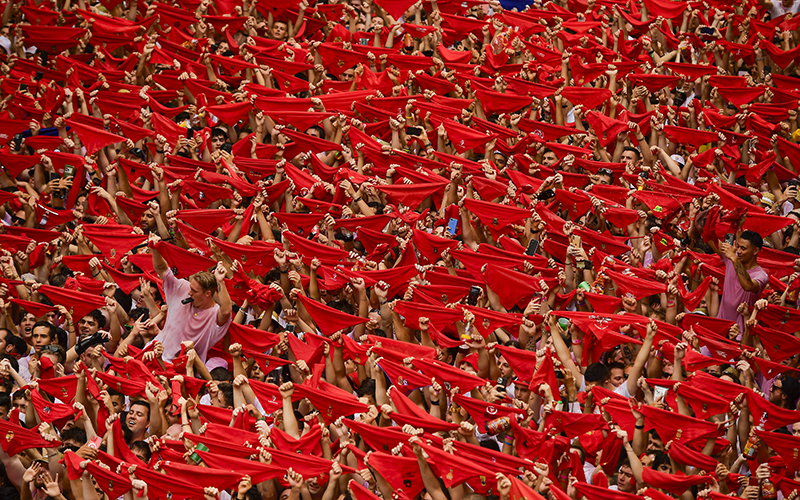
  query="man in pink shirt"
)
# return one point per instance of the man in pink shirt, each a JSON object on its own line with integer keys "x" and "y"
{"x": 744, "y": 278}
{"x": 198, "y": 309}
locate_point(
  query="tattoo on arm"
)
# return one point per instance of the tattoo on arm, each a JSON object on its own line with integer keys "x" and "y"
{"x": 742, "y": 272}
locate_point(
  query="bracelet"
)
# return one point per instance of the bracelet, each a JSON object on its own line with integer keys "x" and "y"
{"x": 639, "y": 426}
{"x": 435, "y": 402}
{"x": 382, "y": 302}
{"x": 409, "y": 117}
{"x": 509, "y": 440}
{"x": 284, "y": 272}
{"x": 356, "y": 200}
{"x": 160, "y": 151}
{"x": 577, "y": 341}
{"x": 670, "y": 304}
{"x": 581, "y": 303}
{"x": 94, "y": 275}
{"x": 650, "y": 52}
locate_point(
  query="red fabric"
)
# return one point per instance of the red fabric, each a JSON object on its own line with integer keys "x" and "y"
{"x": 328, "y": 319}
{"x": 79, "y": 304}
{"x": 675, "y": 484}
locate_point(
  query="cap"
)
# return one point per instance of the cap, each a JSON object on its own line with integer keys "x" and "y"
{"x": 680, "y": 160}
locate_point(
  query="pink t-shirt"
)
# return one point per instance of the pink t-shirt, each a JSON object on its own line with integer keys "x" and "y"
{"x": 186, "y": 322}
{"x": 733, "y": 294}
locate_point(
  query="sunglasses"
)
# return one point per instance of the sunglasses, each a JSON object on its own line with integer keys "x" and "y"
{"x": 53, "y": 349}
{"x": 605, "y": 171}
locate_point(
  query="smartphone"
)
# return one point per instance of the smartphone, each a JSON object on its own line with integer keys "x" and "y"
{"x": 290, "y": 328}
{"x": 474, "y": 293}
{"x": 644, "y": 175}
{"x": 585, "y": 265}
{"x": 707, "y": 30}
{"x": 44, "y": 54}
{"x": 23, "y": 87}
{"x": 730, "y": 238}
{"x": 452, "y": 226}
{"x": 546, "y": 195}
{"x": 227, "y": 147}
{"x": 17, "y": 142}
{"x": 69, "y": 171}
{"x": 659, "y": 393}
{"x": 39, "y": 75}
{"x": 502, "y": 382}
{"x": 95, "y": 442}
{"x": 532, "y": 247}
{"x": 575, "y": 241}
{"x": 627, "y": 352}
{"x": 413, "y": 131}
{"x": 189, "y": 133}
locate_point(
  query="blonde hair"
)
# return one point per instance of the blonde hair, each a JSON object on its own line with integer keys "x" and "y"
{"x": 206, "y": 280}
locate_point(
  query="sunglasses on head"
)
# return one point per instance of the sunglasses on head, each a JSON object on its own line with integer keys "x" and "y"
{"x": 53, "y": 349}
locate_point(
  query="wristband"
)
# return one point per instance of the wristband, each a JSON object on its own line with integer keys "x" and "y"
{"x": 509, "y": 440}
{"x": 160, "y": 151}
{"x": 284, "y": 272}
{"x": 639, "y": 426}
{"x": 577, "y": 341}
{"x": 581, "y": 303}
{"x": 435, "y": 402}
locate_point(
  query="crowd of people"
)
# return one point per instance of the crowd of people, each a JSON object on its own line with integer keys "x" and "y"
{"x": 399, "y": 249}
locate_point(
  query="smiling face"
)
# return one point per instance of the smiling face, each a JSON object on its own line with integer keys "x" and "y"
{"x": 138, "y": 419}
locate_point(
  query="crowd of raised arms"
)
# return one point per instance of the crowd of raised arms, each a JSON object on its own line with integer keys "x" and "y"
{"x": 399, "y": 249}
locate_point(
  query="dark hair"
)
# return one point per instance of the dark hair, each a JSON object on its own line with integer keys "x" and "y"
{"x": 596, "y": 373}
{"x": 74, "y": 434}
{"x": 659, "y": 459}
{"x": 51, "y": 329}
{"x": 618, "y": 366}
{"x": 221, "y": 374}
{"x": 20, "y": 394}
{"x": 143, "y": 447}
{"x": 97, "y": 316}
{"x": 20, "y": 346}
{"x": 219, "y": 132}
{"x": 227, "y": 393}
{"x": 633, "y": 150}
{"x": 318, "y": 129}
{"x": 366, "y": 388}
{"x": 342, "y": 306}
{"x": 5, "y": 401}
{"x": 754, "y": 238}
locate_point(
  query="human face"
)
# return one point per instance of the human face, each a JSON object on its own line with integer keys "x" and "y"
{"x": 549, "y": 159}
{"x": 505, "y": 368}
{"x": 745, "y": 251}
{"x": 4, "y": 347}
{"x": 20, "y": 404}
{"x": 776, "y": 393}
{"x": 617, "y": 377}
{"x": 665, "y": 468}
{"x": 87, "y": 326}
{"x": 118, "y": 402}
{"x": 198, "y": 295}
{"x": 624, "y": 478}
{"x": 629, "y": 157}
{"x": 217, "y": 141}
{"x": 148, "y": 222}
{"x": 138, "y": 420}
{"x": 26, "y": 325}
{"x": 796, "y": 429}
{"x": 280, "y": 31}
{"x": 348, "y": 75}
{"x": 40, "y": 338}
